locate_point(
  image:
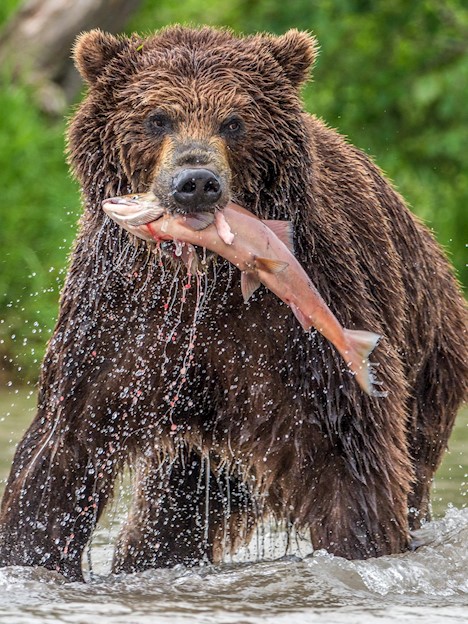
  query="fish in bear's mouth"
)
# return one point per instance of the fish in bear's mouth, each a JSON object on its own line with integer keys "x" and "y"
{"x": 262, "y": 250}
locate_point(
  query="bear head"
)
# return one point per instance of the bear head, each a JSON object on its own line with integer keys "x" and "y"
{"x": 198, "y": 116}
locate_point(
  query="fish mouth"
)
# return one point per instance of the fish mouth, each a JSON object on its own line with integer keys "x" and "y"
{"x": 133, "y": 211}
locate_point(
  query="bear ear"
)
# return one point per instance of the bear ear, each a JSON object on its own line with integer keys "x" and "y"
{"x": 295, "y": 51}
{"x": 93, "y": 50}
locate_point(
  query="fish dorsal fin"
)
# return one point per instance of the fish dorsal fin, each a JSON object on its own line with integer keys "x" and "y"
{"x": 283, "y": 230}
{"x": 269, "y": 265}
{"x": 199, "y": 220}
{"x": 249, "y": 284}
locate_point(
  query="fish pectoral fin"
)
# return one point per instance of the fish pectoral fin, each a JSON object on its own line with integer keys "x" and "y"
{"x": 270, "y": 266}
{"x": 199, "y": 220}
{"x": 283, "y": 230}
{"x": 249, "y": 284}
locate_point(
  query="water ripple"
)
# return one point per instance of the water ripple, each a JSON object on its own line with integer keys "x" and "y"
{"x": 430, "y": 584}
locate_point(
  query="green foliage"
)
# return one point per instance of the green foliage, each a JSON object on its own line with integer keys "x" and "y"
{"x": 38, "y": 213}
{"x": 391, "y": 75}
{"x": 7, "y": 8}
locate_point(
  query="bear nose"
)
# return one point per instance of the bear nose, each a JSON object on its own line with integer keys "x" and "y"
{"x": 196, "y": 189}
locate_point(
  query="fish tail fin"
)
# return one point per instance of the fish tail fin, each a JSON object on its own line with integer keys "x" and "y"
{"x": 360, "y": 345}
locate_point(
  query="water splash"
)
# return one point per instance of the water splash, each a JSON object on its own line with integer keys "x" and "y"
{"x": 428, "y": 585}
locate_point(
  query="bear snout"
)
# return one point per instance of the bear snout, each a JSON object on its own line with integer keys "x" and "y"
{"x": 192, "y": 176}
{"x": 196, "y": 189}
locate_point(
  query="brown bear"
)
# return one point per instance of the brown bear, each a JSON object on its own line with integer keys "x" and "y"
{"x": 228, "y": 413}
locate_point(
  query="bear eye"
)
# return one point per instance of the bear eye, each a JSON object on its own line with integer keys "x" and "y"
{"x": 158, "y": 123}
{"x": 232, "y": 127}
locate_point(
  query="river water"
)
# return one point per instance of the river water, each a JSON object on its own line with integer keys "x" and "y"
{"x": 429, "y": 585}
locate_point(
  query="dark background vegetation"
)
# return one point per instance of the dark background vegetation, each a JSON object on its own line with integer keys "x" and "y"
{"x": 392, "y": 75}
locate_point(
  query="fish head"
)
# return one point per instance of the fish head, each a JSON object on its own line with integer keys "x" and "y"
{"x": 143, "y": 217}
{"x": 133, "y": 212}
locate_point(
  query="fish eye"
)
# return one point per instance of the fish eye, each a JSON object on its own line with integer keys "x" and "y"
{"x": 158, "y": 123}
{"x": 232, "y": 127}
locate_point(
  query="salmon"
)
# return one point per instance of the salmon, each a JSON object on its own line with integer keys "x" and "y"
{"x": 263, "y": 251}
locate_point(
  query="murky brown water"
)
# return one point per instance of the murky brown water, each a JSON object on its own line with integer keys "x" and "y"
{"x": 430, "y": 585}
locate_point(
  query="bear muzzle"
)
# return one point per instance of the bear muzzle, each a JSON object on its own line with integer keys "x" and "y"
{"x": 193, "y": 176}
{"x": 196, "y": 190}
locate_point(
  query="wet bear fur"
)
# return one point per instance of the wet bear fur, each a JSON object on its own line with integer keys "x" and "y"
{"x": 228, "y": 413}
